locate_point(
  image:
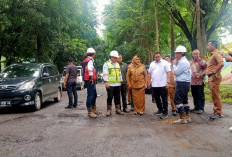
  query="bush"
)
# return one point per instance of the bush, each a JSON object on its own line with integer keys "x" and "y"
{"x": 225, "y": 93}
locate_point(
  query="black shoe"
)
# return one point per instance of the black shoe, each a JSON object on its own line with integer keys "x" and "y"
{"x": 215, "y": 116}
{"x": 174, "y": 113}
{"x": 68, "y": 107}
{"x": 132, "y": 109}
{"x": 153, "y": 100}
{"x": 163, "y": 116}
{"x": 140, "y": 113}
{"x": 158, "y": 113}
{"x": 194, "y": 110}
{"x": 200, "y": 111}
{"x": 125, "y": 110}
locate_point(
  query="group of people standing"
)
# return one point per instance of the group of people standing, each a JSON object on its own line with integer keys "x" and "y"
{"x": 168, "y": 78}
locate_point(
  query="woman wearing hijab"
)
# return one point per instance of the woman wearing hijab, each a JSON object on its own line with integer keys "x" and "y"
{"x": 137, "y": 81}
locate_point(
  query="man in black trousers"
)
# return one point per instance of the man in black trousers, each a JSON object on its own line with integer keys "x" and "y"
{"x": 123, "y": 67}
{"x": 70, "y": 83}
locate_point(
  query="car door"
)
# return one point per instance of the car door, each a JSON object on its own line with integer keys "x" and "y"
{"x": 55, "y": 79}
{"x": 52, "y": 79}
{"x": 46, "y": 83}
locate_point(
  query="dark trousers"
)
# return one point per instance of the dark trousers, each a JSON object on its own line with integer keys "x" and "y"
{"x": 123, "y": 94}
{"x": 113, "y": 93}
{"x": 91, "y": 94}
{"x": 158, "y": 92}
{"x": 198, "y": 96}
{"x": 132, "y": 104}
{"x": 71, "y": 90}
{"x": 181, "y": 93}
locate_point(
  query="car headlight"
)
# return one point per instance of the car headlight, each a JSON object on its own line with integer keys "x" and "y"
{"x": 27, "y": 85}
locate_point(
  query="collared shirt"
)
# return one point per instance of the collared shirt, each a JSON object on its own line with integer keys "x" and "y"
{"x": 90, "y": 66}
{"x": 183, "y": 72}
{"x": 158, "y": 71}
{"x": 198, "y": 67}
{"x": 213, "y": 62}
{"x": 105, "y": 74}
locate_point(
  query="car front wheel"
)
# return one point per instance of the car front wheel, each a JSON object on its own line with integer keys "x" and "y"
{"x": 38, "y": 101}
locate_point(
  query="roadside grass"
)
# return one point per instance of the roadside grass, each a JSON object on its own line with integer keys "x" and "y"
{"x": 225, "y": 93}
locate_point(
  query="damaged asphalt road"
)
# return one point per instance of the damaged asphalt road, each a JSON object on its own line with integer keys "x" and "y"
{"x": 55, "y": 131}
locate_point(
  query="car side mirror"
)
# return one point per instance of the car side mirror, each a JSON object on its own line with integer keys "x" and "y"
{"x": 45, "y": 74}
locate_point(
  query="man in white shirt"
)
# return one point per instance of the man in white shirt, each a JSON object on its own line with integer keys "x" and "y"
{"x": 158, "y": 79}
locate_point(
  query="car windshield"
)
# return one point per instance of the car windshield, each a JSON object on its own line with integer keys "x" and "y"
{"x": 17, "y": 71}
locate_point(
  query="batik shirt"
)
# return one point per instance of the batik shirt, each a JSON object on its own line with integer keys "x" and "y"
{"x": 198, "y": 67}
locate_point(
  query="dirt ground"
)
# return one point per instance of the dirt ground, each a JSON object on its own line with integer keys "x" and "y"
{"x": 55, "y": 131}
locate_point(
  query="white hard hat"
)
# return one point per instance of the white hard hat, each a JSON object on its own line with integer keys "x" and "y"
{"x": 90, "y": 50}
{"x": 180, "y": 48}
{"x": 114, "y": 54}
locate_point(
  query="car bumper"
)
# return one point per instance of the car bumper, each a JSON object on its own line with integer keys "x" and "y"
{"x": 13, "y": 99}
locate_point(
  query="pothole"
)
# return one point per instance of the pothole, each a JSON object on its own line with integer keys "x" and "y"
{"x": 63, "y": 115}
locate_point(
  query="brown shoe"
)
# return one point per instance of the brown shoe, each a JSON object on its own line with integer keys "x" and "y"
{"x": 118, "y": 110}
{"x": 188, "y": 119}
{"x": 109, "y": 110}
{"x": 94, "y": 107}
{"x": 91, "y": 114}
{"x": 181, "y": 120}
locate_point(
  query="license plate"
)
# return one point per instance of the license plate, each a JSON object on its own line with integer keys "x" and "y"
{"x": 5, "y": 103}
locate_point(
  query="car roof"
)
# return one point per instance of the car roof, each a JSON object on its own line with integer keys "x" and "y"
{"x": 32, "y": 64}
{"x": 78, "y": 67}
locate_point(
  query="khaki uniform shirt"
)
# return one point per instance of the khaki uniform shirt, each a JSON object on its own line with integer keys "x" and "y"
{"x": 137, "y": 77}
{"x": 212, "y": 64}
{"x": 172, "y": 80}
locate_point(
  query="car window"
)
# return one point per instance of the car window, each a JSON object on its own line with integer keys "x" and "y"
{"x": 78, "y": 72}
{"x": 21, "y": 70}
{"x": 45, "y": 70}
{"x": 50, "y": 71}
{"x": 55, "y": 71}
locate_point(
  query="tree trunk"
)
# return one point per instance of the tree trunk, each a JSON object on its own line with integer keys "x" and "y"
{"x": 198, "y": 17}
{"x": 203, "y": 40}
{"x": 172, "y": 37}
{"x": 193, "y": 43}
{"x": 157, "y": 29}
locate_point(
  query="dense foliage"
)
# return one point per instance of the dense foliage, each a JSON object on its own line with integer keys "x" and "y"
{"x": 53, "y": 30}
{"x": 131, "y": 24}
{"x": 46, "y": 30}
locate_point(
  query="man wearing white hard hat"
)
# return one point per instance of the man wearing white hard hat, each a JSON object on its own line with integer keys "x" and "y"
{"x": 113, "y": 78}
{"x": 183, "y": 78}
{"x": 90, "y": 78}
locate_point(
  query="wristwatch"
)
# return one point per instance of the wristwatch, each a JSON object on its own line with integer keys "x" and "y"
{"x": 211, "y": 74}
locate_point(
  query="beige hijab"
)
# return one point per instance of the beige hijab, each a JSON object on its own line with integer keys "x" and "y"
{"x": 136, "y": 66}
